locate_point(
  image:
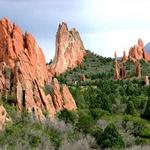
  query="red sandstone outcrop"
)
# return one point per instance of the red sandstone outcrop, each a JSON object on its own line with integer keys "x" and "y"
{"x": 137, "y": 52}
{"x": 123, "y": 71}
{"x": 62, "y": 97}
{"x": 117, "y": 68}
{"x": 69, "y": 50}
{"x": 23, "y": 72}
{"x": 125, "y": 57}
{"x": 4, "y": 118}
{"x": 138, "y": 69}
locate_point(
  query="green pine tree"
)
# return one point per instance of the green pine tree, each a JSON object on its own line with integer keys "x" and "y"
{"x": 130, "y": 108}
{"x": 147, "y": 110}
{"x": 111, "y": 137}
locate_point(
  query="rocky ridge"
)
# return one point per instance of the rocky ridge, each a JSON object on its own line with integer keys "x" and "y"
{"x": 138, "y": 52}
{"x": 24, "y": 74}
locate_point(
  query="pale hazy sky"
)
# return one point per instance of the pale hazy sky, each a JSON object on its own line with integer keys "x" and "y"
{"x": 104, "y": 25}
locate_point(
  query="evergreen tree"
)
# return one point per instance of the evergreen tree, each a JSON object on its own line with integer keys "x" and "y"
{"x": 130, "y": 108}
{"x": 111, "y": 137}
{"x": 147, "y": 110}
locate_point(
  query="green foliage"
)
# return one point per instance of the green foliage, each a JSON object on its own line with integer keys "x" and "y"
{"x": 105, "y": 103}
{"x": 78, "y": 94}
{"x": 97, "y": 113}
{"x": 10, "y": 99}
{"x": 67, "y": 116}
{"x": 130, "y": 108}
{"x": 48, "y": 89}
{"x": 85, "y": 122}
{"x": 147, "y": 110}
{"x": 7, "y": 72}
{"x": 93, "y": 67}
{"x": 98, "y": 134}
{"x": 29, "y": 132}
{"x": 111, "y": 137}
{"x": 9, "y": 102}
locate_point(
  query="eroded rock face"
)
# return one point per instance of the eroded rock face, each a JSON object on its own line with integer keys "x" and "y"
{"x": 124, "y": 57}
{"x": 137, "y": 52}
{"x": 123, "y": 71}
{"x": 4, "y": 118}
{"x": 62, "y": 97}
{"x": 21, "y": 56}
{"x": 69, "y": 50}
{"x": 116, "y": 68}
{"x": 138, "y": 69}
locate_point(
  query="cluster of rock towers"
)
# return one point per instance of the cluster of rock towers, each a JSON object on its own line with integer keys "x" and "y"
{"x": 136, "y": 53}
{"x": 120, "y": 68}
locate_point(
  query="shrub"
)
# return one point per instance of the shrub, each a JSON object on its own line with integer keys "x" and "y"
{"x": 48, "y": 89}
{"x": 147, "y": 110}
{"x": 67, "y": 116}
{"x": 111, "y": 137}
{"x": 130, "y": 108}
{"x": 97, "y": 133}
{"x": 7, "y": 72}
{"x": 97, "y": 113}
{"x": 105, "y": 103}
{"x": 85, "y": 122}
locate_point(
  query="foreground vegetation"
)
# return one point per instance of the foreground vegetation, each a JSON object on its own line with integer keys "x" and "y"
{"x": 110, "y": 114}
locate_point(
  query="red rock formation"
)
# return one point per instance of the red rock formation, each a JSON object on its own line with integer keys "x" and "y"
{"x": 137, "y": 52}
{"x": 21, "y": 56}
{"x": 62, "y": 97}
{"x": 69, "y": 50}
{"x": 123, "y": 71}
{"x": 117, "y": 68}
{"x": 4, "y": 118}
{"x": 124, "y": 58}
{"x": 138, "y": 69}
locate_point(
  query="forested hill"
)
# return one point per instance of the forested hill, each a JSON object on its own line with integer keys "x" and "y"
{"x": 100, "y": 98}
{"x": 93, "y": 67}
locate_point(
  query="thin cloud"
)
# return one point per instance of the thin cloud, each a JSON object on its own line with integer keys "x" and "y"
{"x": 104, "y": 25}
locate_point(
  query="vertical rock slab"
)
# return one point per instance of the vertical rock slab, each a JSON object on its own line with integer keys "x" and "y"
{"x": 69, "y": 52}
{"x": 116, "y": 68}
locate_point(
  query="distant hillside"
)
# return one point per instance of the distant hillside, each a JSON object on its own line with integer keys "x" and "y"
{"x": 147, "y": 47}
{"x": 95, "y": 67}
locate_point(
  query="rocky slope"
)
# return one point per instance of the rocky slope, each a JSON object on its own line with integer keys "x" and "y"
{"x": 23, "y": 74}
{"x": 70, "y": 50}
